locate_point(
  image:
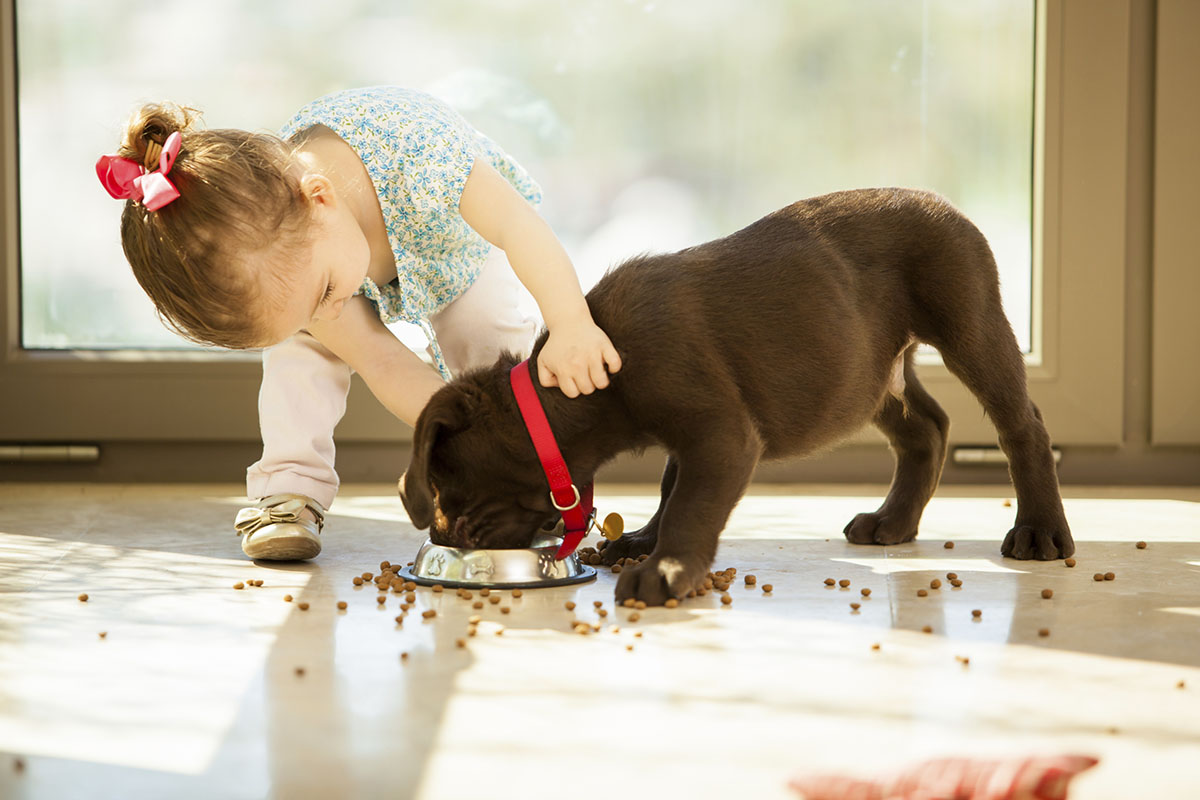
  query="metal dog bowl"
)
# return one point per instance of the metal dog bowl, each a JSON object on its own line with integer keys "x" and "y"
{"x": 534, "y": 567}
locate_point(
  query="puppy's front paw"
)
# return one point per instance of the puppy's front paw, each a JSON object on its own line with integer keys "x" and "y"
{"x": 658, "y": 579}
{"x": 1044, "y": 542}
{"x": 631, "y": 545}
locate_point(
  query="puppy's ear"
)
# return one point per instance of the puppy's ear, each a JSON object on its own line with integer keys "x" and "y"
{"x": 444, "y": 411}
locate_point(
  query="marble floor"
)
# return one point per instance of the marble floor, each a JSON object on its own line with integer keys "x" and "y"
{"x": 169, "y": 683}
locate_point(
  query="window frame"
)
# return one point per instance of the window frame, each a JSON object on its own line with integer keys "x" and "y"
{"x": 1076, "y": 371}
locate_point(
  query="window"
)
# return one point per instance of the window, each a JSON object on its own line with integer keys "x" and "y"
{"x": 652, "y": 125}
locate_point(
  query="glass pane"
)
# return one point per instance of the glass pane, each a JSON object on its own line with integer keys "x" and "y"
{"x": 651, "y": 125}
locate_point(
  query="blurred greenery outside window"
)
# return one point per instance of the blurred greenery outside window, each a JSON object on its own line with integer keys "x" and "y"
{"x": 651, "y": 126}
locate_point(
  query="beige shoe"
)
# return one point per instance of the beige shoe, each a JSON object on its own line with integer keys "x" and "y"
{"x": 274, "y": 530}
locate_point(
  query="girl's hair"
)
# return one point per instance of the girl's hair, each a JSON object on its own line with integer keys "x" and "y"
{"x": 237, "y": 195}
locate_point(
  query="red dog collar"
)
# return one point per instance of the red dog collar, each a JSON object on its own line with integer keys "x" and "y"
{"x": 575, "y": 506}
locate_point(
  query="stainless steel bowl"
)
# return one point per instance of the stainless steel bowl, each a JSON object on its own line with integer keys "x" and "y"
{"x": 497, "y": 569}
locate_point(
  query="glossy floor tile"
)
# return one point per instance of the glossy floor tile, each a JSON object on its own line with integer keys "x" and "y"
{"x": 193, "y": 691}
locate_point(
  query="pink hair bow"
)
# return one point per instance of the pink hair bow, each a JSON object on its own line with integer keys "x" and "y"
{"x": 125, "y": 179}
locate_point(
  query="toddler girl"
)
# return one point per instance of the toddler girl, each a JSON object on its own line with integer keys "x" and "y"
{"x": 372, "y": 206}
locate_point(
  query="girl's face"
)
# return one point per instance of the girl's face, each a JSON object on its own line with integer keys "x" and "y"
{"x": 324, "y": 273}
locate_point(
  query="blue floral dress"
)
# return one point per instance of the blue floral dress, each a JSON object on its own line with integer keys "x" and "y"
{"x": 418, "y": 152}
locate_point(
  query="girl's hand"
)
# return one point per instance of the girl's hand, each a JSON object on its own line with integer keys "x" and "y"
{"x": 574, "y": 358}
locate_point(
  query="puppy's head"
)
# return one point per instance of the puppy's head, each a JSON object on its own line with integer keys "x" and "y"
{"x": 475, "y": 479}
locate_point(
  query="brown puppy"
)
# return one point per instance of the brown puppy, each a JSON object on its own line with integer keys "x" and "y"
{"x": 779, "y": 340}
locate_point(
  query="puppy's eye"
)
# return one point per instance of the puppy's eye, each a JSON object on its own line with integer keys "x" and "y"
{"x": 328, "y": 294}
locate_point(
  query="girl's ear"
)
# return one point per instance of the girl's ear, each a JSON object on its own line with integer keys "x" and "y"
{"x": 317, "y": 189}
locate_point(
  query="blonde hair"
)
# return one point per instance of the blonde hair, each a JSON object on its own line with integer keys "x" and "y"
{"x": 237, "y": 194}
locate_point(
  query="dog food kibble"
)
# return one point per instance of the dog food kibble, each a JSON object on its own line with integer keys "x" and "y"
{"x": 381, "y": 599}
{"x": 516, "y": 592}
{"x": 410, "y": 597}
{"x": 404, "y": 656}
{"x": 1047, "y": 594}
{"x": 1110, "y": 576}
{"x": 410, "y": 586}
{"x": 477, "y": 604}
{"x": 726, "y": 599}
{"x": 494, "y": 599}
{"x": 637, "y": 634}
{"x": 1141, "y": 545}
{"x": 935, "y": 584}
{"x": 400, "y": 619}
{"x": 830, "y": 582}
{"x": 299, "y": 672}
{"x": 875, "y": 646}
{"x": 303, "y": 606}
{"x": 751, "y": 580}
{"x": 768, "y": 588}
{"x": 341, "y": 605}
{"x": 366, "y": 576}
{"x": 634, "y": 617}
{"x": 672, "y": 603}
{"x": 570, "y": 606}
{"x": 1098, "y": 576}
{"x": 485, "y": 592}
{"x": 1180, "y": 685}
{"x": 854, "y": 606}
{"x": 499, "y": 631}
{"x": 927, "y": 629}
{"x": 597, "y": 603}
{"x": 1043, "y": 632}
{"x": 922, "y": 593}
{"x": 955, "y": 582}
{"x": 256, "y": 583}
{"x": 629, "y": 601}
{"x": 287, "y": 598}
{"x": 506, "y": 610}
{"x": 951, "y": 576}
{"x": 1070, "y": 562}
{"x": 949, "y": 545}
{"x": 460, "y": 643}
{"x": 844, "y": 583}
{"x": 103, "y": 634}
{"x": 238, "y": 585}
{"x": 83, "y": 597}
{"x": 1008, "y": 503}
{"x": 976, "y": 613}
{"x": 430, "y": 614}
{"x": 866, "y": 592}
{"x": 437, "y": 587}
{"x": 616, "y": 568}
{"x": 640, "y": 605}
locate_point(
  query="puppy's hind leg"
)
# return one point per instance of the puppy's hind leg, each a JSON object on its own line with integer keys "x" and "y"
{"x": 988, "y": 360}
{"x": 917, "y": 428}
{"x": 643, "y": 540}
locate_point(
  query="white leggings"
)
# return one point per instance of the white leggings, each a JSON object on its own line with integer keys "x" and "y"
{"x": 304, "y": 386}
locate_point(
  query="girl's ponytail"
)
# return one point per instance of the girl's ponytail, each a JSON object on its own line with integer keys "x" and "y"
{"x": 149, "y": 127}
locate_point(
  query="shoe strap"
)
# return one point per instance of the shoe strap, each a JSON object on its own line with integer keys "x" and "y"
{"x": 275, "y": 509}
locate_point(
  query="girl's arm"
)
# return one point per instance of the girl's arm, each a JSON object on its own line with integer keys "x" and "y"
{"x": 396, "y": 375}
{"x": 577, "y": 351}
